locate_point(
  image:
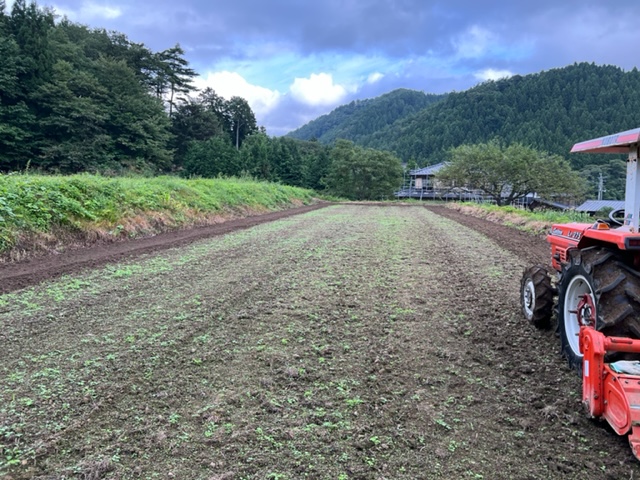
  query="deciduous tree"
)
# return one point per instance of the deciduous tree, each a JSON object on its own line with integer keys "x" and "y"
{"x": 362, "y": 173}
{"x": 508, "y": 173}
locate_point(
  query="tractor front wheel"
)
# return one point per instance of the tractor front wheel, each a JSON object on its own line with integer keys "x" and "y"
{"x": 536, "y": 296}
{"x": 597, "y": 289}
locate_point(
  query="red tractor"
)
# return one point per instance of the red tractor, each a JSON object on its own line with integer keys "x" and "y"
{"x": 597, "y": 273}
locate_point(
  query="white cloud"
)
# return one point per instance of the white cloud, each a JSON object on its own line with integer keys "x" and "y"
{"x": 318, "y": 89}
{"x": 491, "y": 74}
{"x": 375, "y": 77}
{"x": 90, "y": 11}
{"x": 474, "y": 43}
{"x": 64, "y": 12}
{"x": 229, "y": 84}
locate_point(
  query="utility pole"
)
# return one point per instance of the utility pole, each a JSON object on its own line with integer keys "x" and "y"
{"x": 601, "y": 189}
{"x": 237, "y": 134}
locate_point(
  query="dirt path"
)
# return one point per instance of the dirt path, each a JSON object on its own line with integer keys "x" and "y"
{"x": 19, "y": 275}
{"x": 352, "y": 342}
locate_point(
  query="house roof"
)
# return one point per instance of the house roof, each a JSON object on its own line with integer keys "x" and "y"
{"x": 616, "y": 143}
{"x": 595, "y": 205}
{"x": 430, "y": 170}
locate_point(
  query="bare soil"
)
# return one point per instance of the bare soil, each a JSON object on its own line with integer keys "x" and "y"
{"x": 354, "y": 341}
{"x": 18, "y": 275}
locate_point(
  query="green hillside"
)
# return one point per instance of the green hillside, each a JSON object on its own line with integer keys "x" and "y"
{"x": 359, "y": 119}
{"x": 549, "y": 110}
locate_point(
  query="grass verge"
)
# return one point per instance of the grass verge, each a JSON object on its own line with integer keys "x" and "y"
{"x": 48, "y": 212}
{"x": 535, "y": 222}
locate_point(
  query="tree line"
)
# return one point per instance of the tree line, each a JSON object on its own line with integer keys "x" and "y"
{"x": 78, "y": 99}
{"x": 75, "y": 99}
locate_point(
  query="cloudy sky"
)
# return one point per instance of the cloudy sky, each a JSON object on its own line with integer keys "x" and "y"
{"x": 294, "y": 60}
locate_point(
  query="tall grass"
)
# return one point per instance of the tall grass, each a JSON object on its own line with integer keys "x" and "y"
{"x": 535, "y": 222}
{"x": 41, "y": 204}
{"x": 548, "y": 216}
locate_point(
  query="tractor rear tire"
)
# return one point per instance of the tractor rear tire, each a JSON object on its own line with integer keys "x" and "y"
{"x": 614, "y": 288}
{"x": 536, "y": 296}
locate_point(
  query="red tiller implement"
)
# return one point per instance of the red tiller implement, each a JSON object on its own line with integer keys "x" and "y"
{"x": 608, "y": 391}
{"x": 596, "y": 268}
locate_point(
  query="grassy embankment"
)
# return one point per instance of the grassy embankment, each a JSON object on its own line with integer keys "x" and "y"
{"x": 535, "y": 222}
{"x": 44, "y": 213}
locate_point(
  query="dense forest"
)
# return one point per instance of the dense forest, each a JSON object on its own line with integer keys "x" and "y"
{"x": 549, "y": 111}
{"x": 75, "y": 99}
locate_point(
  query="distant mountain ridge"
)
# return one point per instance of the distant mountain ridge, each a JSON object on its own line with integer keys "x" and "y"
{"x": 549, "y": 110}
{"x": 361, "y": 118}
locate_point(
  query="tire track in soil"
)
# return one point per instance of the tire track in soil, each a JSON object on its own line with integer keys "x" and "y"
{"x": 532, "y": 248}
{"x": 527, "y": 364}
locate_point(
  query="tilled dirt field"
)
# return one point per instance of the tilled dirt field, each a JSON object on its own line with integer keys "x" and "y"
{"x": 352, "y": 341}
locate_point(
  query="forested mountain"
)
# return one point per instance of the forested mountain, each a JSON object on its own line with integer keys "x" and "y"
{"x": 549, "y": 111}
{"x": 361, "y": 118}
